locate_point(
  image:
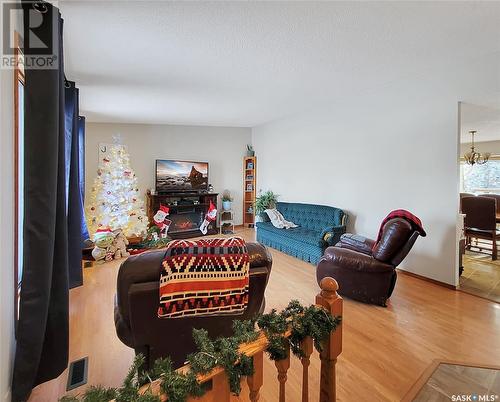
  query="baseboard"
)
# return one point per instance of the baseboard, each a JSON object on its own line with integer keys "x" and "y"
{"x": 424, "y": 278}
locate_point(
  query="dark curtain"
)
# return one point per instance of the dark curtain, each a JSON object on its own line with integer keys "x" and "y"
{"x": 75, "y": 205}
{"x": 42, "y": 332}
{"x": 81, "y": 158}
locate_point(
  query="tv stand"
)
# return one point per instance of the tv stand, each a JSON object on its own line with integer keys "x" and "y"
{"x": 187, "y": 212}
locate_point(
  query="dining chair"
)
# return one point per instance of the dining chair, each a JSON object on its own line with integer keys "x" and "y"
{"x": 480, "y": 220}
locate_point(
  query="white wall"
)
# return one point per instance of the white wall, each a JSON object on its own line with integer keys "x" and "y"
{"x": 369, "y": 160}
{"x": 7, "y": 342}
{"x": 222, "y": 147}
{"x": 381, "y": 150}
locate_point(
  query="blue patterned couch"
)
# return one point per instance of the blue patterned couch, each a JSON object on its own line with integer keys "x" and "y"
{"x": 319, "y": 227}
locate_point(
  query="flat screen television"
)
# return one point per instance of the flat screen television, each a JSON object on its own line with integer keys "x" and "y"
{"x": 178, "y": 176}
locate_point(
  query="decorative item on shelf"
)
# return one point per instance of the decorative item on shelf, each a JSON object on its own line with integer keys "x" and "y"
{"x": 249, "y": 187}
{"x": 472, "y": 157}
{"x": 250, "y": 210}
{"x": 226, "y": 200}
{"x": 114, "y": 200}
{"x": 249, "y": 165}
{"x": 250, "y": 151}
{"x": 210, "y": 188}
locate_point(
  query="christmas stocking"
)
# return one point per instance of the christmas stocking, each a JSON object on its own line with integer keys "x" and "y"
{"x": 164, "y": 231}
{"x": 209, "y": 217}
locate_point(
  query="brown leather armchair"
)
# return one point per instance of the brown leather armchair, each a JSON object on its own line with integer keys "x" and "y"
{"x": 366, "y": 271}
{"x": 136, "y": 305}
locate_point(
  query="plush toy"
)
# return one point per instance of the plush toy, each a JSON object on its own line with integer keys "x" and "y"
{"x": 162, "y": 222}
{"x": 209, "y": 218}
{"x": 120, "y": 244}
{"x": 103, "y": 249}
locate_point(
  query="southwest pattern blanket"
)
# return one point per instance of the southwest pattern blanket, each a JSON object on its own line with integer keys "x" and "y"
{"x": 204, "y": 277}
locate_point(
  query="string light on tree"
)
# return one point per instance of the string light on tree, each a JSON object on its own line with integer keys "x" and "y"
{"x": 114, "y": 200}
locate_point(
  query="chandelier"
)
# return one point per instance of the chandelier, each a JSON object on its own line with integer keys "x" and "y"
{"x": 472, "y": 157}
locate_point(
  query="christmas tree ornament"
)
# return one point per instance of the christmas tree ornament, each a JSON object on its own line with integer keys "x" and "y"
{"x": 113, "y": 203}
{"x": 209, "y": 218}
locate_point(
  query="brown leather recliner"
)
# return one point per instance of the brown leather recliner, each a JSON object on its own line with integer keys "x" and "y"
{"x": 363, "y": 270}
{"x": 137, "y": 299}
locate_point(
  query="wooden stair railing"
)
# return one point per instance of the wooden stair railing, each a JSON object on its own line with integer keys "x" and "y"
{"x": 327, "y": 298}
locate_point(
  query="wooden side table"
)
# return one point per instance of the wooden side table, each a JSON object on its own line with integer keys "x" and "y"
{"x": 226, "y": 219}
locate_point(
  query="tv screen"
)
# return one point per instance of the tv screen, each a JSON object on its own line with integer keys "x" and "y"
{"x": 174, "y": 176}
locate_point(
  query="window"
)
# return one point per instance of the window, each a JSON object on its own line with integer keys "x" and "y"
{"x": 480, "y": 178}
{"x": 19, "y": 82}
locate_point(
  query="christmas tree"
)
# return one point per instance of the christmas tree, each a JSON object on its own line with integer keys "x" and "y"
{"x": 114, "y": 200}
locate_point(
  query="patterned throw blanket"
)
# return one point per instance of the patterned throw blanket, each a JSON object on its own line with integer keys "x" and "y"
{"x": 204, "y": 277}
{"x": 408, "y": 216}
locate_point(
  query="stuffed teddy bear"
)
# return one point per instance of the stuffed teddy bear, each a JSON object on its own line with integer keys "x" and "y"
{"x": 103, "y": 249}
{"x": 120, "y": 244}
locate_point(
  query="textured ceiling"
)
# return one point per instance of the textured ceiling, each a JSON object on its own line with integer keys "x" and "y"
{"x": 484, "y": 120}
{"x": 247, "y": 63}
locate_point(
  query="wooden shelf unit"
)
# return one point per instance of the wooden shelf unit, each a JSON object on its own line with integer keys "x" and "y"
{"x": 249, "y": 190}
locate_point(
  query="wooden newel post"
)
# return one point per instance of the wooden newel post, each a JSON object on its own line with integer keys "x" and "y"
{"x": 329, "y": 299}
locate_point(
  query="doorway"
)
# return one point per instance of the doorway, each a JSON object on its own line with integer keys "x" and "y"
{"x": 479, "y": 161}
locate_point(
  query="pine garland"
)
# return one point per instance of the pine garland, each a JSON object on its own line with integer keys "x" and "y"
{"x": 312, "y": 321}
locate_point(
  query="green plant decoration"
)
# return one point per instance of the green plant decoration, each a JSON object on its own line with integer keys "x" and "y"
{"x": 265, "y": 201}
{"x": 150, "y": 242}
{"x": 312, "y": 321}
{"x": 226, "y": 196}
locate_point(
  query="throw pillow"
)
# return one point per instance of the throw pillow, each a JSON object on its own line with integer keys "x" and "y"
{"x": 278, "y": 220}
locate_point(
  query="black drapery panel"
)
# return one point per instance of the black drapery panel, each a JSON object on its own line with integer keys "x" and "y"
{"x": 42, "y": 332}
{"x": 81, "y": 158}
{"x": 75, "y": 211}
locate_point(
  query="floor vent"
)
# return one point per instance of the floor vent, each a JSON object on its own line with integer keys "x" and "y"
{"x": 77, "y": 373}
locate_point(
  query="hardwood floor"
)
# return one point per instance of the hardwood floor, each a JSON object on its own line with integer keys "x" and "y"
{"x": 481, "y": 276}
{"x": 385, "y": 350}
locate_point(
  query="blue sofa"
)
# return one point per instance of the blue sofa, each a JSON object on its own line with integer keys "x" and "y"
{"x": 319, "y": 227}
